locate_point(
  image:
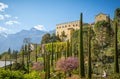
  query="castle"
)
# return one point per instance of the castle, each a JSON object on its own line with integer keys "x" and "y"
{"x": 64, "y": 30}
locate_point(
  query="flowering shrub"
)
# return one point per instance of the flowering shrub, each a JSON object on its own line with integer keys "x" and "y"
{"x": 38, "y": 66}
{"x": 67, "y": 65}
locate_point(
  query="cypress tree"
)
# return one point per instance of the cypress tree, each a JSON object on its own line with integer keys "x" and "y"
{"x": 36, "y": 52}
{"x": 89, "y": 54}
{"x": 10, "y": 58}
{"x": 23, "y": 55}
{"x": 5, "y": 62}
{"x": 116, "y": 64}
{"x": 55, "y": 52}
{"x": 44, "y": 56}
{"x": 67, "y": 48}
{"x": 15, "y": 52}
{"x": 29, "y": 51}
{"x": 71, "y": 43}
{"x": 80, "y": 51}
{"x": 46, "y": 66}
{"x": 47, "y": 74}
{"x": 48, "y": 57}
{"x": 52, "y": 54}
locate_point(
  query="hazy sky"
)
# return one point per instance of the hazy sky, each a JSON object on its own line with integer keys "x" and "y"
{"x": 16, "y": 15}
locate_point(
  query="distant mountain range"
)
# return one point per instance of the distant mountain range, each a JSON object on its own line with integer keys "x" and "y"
{"x": 15, "y": 41}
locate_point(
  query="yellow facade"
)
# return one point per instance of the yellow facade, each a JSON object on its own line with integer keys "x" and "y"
{"x": 101, "y": 17}
{"x": 68, "y": 27}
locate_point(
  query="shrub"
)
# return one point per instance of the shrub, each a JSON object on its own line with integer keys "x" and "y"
{"x": 18, "y": 66}
{"x": 38, "y": 66}
{"x": 7, "y": 74}
{"x": 115, "y": 76}
{"x": 67, "y": 65}
{"x": 32, "y": 75}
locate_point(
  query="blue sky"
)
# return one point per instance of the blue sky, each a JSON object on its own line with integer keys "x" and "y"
{"x": 16, "y": 15}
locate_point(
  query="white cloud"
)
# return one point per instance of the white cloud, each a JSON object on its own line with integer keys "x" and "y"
{"x": 12, "y": 22}
{"x": 3, "y": 6}
{"x": 2, "y": 29}
{"x": 16, "y": 17}
{"x": 40, "y": 27}
{"x": 5, "y": 31}
{"x": 1, "y": 17}
{"x": 7, "y": 15}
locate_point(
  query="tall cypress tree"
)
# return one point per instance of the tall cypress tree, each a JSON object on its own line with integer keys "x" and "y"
{"x": 47, "y": 74}
{"x": 36, "y": 52}
{"x": 28, "y": 56}
{"x": 10, "y": 58}
{"x": 116, "y": 64}
{"x": 29, "y": 52}
{"x": 89, "y": 54}
{"x": 67, "y": 48}
{"x": 55, "y": 52}
{"x": 52, "y": 54}
{"x": 23, "y": 55}
{"x": 80, "y": 52}
{"x": 5, "y": 62}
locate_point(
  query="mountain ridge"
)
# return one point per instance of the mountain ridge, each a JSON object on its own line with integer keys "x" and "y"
{"x": 15, "y": 41}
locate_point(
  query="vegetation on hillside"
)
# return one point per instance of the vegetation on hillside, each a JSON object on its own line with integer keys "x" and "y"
{"x": 93, "y": 52}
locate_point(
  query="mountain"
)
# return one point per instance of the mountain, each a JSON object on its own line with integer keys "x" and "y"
{"x": 15, "y": 41}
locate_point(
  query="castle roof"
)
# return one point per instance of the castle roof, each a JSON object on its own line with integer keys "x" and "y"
{"x": 102, "y": 14}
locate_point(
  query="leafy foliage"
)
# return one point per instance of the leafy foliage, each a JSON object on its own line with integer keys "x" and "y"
{"x": 7, "y": 74}
{"x": 115, "y": 76}
{"x": 103, "y": 32}
{"x": 32, "y": 75}
{"x": 47, "y": 38}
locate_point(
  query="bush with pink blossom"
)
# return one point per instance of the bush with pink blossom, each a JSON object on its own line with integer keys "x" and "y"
{"x": 67, "y": 65}
{"x": 38, "y": 66}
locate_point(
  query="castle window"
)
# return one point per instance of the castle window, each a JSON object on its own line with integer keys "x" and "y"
{"x": 59, "y": 27}
{"x": 73, "y": 25}
{"x": 69, "y": 25}
{"x": 76, "y": 25}
{"x": 65, "y": 26}
{"x": 62, "y": 26}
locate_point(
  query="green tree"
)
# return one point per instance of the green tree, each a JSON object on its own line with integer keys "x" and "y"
{"x": 80, "y": 53}
{"x": 116, "y": 64}
{"x": 36, "y": 52}
{"x": 45, "y": 38}
{"x": 63, "y": 36}
{"x": 5, "y": 62}
{"x": 117, "y": 15}
{"x": 10, "y": 57}
{"x": 103, "y": 32}
{"x": 89, "y": 54}
{"x": 23, "y": 52}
